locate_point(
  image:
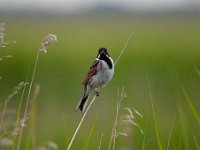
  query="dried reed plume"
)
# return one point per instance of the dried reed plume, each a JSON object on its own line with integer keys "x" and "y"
{"x": 49, "y": 145}
{"x": 99, "y": 147}
{"x": 10, "y": 96}
{"x": 3, "y": 43}
{"x": 127, "y": 119}
{"x": 7, "y": 56}
{"x": 47, "y": 41}
{"x": 93, "y": 99}
{"x": 113, "y": 135}
{"x": 6, "y": 142}
{"x": 2, "y": 35}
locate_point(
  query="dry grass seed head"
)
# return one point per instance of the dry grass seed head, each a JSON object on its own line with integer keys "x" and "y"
{"x": 6, "y": 142}
{"x": 52, "y": 145}
{"x": 49, "y": 145}
{"x": 17, "y": 89}
{"x": 3, "y": 57}
{"x": 9, "y": 122}
{"x": 2, "y": 35}
{"x": 10, "y": 96}
{"x": 20, "y": 125}
{"x": 121, "y": 134}
{"x": 129, "y": 118}
{"x": 2, "y": 29}
{"x": 47, "y": 41}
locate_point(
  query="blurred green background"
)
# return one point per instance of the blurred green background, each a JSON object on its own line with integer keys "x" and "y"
{"x": 164, "y": 48}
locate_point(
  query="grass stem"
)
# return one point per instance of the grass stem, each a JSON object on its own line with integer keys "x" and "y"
{"x": 125, "y": 46}
{"x": 80, "y": 123}
{"x": 170, "y": 134}
{"x": 99, "y": 147}
{"x": 27, "y": 100}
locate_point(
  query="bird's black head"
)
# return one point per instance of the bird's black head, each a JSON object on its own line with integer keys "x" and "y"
{"x": 103, "y": 55}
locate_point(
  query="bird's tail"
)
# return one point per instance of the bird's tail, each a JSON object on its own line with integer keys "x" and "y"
{"x": 82, "y": 104}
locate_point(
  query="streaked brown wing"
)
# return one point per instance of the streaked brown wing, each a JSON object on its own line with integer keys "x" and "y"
{"x": 93, "y": 70}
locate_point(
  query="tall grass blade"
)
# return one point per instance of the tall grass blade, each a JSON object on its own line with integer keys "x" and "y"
{"x": 144, "y": 139}
{"x": 170, "y": 134}
{"x": 160, "y": 146}
{"x": 183, "y": 127}
{"x": 91, "y": 132}
{"x": 196, "y": 142}
{"x": 191, "y": 105}
{"x": 197, "y": 71}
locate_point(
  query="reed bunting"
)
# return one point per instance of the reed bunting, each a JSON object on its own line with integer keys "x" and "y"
{"x": 99, "y": 74}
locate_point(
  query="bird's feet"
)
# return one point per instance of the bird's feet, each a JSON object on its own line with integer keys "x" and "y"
{"x": 97, "y": 93}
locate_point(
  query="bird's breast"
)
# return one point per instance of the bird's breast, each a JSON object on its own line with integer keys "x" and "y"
{"x": 105, "y": 75}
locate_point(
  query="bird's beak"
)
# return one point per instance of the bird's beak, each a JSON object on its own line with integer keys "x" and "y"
{"x": 103, "y": 52}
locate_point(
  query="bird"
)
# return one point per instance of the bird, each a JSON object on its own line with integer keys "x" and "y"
{"x": 100, "y": 73}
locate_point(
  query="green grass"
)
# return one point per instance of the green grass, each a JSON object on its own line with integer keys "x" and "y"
{"x": 166, "y": 47}
{"x": 91, "y": 132}
{"x": 191, "y": 106}
{"x": 160, "y": 146}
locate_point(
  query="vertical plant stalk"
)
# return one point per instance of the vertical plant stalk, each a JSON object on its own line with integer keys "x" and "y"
{"x": 114, "y": 132}
{"x": 18, "y": 118}
{"x": 80, "y": 123}
{"x": 99, "y": 147}
{"x": 48, "y": 40}
{"x": 3, "y": 114}
{"x": 125, "y": 46}
{"x": 144, "y": 139}
{"x": 34, "y": 114}
{"x": 12, "y": 94}
{"x": 27, "y": 101}
{"x": 114, "y": 137}
{"x": 19, "y": 112}
{"x": 170, "y": 134}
